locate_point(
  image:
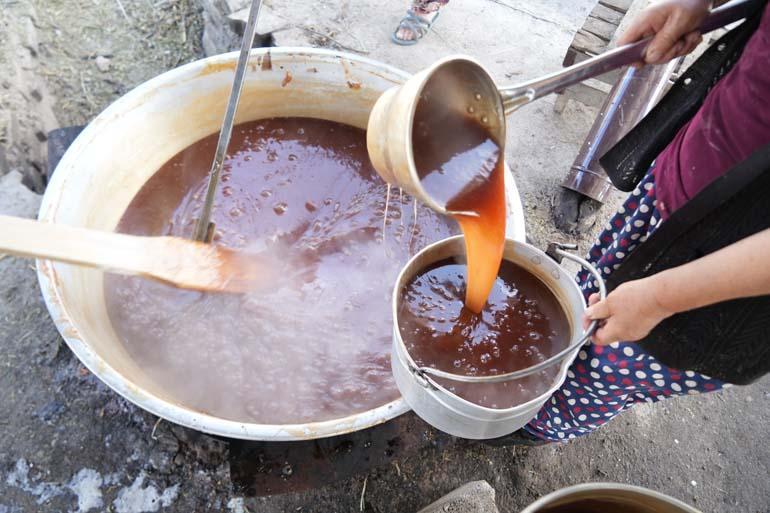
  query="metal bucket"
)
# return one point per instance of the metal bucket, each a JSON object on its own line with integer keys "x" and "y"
{"x": 121, "y": 149}
{"x": 457, "y": 416}
{"x": 626, "y": 498}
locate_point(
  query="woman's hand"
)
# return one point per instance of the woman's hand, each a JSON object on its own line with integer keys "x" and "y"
{"x": 673, "y": 25}
{"x": 628, "y": 313}
{"x": 632, "y": 310}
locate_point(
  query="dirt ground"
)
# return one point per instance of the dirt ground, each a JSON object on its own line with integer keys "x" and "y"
{"x": 67, "y": 60}
{"x": 67, "y": 443}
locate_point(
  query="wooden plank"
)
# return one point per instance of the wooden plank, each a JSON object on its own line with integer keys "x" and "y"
{"x": 600, "y": 28}
{"x": 604, "y": 13}
{"x": 561, "y": 103}
{"x": 588, "y": 43}
{"x": 570, "y": 58}
{"x": 619, "y": 5}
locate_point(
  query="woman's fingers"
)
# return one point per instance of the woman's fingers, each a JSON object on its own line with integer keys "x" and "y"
{"x": 691, "y": 42}
{"x": 682, "y": 47}
{"x": 605, "y": 335}
{"x": 668, "y": 22}
{"x": 665, "y": 39}
{"x": 598, "y": 311}
{"x": 640, "y": 29}
{"x": 592, "y": 300}
{"x": 674, "y": 51}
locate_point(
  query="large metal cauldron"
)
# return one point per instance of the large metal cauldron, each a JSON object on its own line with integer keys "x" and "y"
{"x": 116, "y": 154}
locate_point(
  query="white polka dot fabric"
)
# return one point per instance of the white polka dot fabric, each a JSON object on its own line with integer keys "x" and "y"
{"x": 606, "y": 380}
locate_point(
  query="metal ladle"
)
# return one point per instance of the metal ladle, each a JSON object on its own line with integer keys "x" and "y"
{"x": 204, "y": 228}
{"x": 466, "y": 87}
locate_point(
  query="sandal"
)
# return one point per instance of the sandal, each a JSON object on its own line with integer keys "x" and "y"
{"x": 417, "y": 25}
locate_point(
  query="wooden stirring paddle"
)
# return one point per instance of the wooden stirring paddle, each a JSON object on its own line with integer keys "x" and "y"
{"x": 176, "y": 261}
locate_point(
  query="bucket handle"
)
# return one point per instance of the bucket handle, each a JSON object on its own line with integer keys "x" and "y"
{"x": 556, "y": 251}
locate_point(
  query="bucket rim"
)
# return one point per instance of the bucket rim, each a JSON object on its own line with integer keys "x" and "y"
{"x": 422, "y": 379}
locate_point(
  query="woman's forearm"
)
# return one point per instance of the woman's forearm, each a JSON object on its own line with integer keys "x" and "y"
{"x": 739, "y": 270}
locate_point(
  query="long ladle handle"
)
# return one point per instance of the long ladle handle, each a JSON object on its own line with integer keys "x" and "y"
{"x": 518, "y": 95}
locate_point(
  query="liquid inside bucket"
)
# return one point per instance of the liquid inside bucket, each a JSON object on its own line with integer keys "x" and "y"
{"x": 522, "y": 324}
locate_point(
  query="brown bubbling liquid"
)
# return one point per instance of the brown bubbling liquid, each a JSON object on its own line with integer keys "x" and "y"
{"x": 314, "y": 349}
{"x": 522, "y": 324}
{"x": 461, "y": 167}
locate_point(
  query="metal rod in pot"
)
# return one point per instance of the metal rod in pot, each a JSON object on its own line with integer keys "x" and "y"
{"x": 203, "y": 228}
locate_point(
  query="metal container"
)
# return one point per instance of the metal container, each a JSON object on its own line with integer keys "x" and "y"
{"x": 120, "y": 150}
{"x": 631, "y": 98}
{"x": 389, "y": 133}
{"x": 454, "y": 415}
{"x": 627, "y": 498}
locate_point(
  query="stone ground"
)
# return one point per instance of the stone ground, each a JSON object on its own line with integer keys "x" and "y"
{"x": 67, "y": 443}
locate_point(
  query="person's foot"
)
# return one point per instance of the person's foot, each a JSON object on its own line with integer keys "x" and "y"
{"x": 414, "y": 26}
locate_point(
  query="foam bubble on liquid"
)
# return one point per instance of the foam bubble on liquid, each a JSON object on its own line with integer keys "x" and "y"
{"x": 315, "y": 344}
